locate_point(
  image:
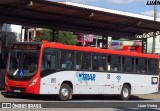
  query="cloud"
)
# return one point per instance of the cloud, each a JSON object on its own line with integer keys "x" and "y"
{"x": 76, "y": 1}
{"x": 151, "y": 13}
{"x": 120, "y": 1}
{"x": 124, "y": 1}
{"x": 109, "y": 1}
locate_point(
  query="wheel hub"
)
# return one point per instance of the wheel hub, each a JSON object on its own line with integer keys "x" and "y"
{"x": 125, "y": 92}
{"x": 64, "y": 92}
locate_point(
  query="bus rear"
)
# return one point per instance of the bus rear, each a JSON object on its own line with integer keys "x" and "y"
{"x": 22, "y": 73}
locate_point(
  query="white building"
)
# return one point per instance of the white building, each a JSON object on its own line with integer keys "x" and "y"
{"x": 157, "y": 46}
{"x": 12, "y": 28}
{"x": 10, "y": 33}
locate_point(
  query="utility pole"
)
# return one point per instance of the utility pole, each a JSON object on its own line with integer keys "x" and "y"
{"x": 154, "y": 33}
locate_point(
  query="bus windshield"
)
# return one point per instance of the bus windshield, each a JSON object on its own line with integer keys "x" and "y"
{"x": 22, "y": 63}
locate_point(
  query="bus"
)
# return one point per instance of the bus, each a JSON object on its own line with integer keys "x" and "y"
{"x": 49, "y": 68}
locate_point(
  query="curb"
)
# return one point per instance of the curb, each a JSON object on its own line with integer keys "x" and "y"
{"x": 149, "y": 96}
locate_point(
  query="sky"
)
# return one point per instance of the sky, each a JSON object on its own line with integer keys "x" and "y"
{"x": 132, "y": 6}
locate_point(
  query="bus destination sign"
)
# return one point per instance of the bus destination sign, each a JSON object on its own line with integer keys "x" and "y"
{"x": 26, "y": 46}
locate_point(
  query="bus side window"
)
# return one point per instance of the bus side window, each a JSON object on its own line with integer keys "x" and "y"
{"x": 141, "y": 65}
{"x": 114, "y": 62}
{"x": 128, "y": 64}
{"x": 49, "y": 59}
{"x": 78, "y": 60}
{"x": 67, "y": 59}
{"x": 86, "y": 61}
{"x": 153, "y": 66}
{"x": 108, "y": 63}
{"x": 99, "y": 62}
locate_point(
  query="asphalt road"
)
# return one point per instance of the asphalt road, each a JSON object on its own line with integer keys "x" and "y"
{"x": 80, "y": 103}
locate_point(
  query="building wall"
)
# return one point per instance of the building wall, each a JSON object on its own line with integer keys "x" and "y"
{"x": 10, "y": 33}
{"x": 149, "y": 44}
{"x": 11, "y": 28}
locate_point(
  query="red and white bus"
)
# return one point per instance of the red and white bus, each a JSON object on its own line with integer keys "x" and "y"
{"x": 65, "y": 70}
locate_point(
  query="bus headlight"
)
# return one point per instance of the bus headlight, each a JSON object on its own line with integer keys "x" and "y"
{"x": 33, "y": 82}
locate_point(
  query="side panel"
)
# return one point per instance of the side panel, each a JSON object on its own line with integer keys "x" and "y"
{"x": 99, "y": 82}
{"x": 51, "y": 83}
{"x": 145, "y": 84}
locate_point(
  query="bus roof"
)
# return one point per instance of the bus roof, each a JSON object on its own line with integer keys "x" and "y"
{"x": 97, "y": 50}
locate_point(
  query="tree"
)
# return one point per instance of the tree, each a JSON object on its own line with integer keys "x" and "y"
{"x": 63, "y": 37}
{"x": 67, "y": 38}
{"x": 45, "y": 34}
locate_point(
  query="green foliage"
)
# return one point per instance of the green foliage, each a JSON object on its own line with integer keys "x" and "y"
{"x": 45, "y": 34}
{"x": 67, "y": 38}
{"x": 63, "y": 37}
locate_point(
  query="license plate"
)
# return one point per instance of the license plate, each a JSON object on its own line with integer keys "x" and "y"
{"x": 16, "y": 90}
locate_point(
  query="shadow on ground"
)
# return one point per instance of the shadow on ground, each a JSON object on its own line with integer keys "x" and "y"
{"x": 75, "y": 97}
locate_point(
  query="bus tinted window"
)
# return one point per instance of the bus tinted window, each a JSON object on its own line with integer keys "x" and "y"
{"x": 67, "y": 59}
{"x": 99, "y": 62}
{"x": 86, "y": 61}
{"x": 49, "y": 58}
{"x": 141, "y": 65}
{"x": 78, "y": 60}
{"x": 114, "y": 63}
{"x": 128, "y": 64}
{"x": 152, "y": 67}
{"x": 83, "y": 61}
{"x": 49, "y": 61}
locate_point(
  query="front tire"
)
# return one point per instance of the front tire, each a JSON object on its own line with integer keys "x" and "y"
{"x": 125, "y": 92}
{"x": 64, "y": 92}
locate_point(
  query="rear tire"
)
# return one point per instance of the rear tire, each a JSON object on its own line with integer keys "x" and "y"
{"x": 125, "y": 92}
{"x": 64, "y": 92}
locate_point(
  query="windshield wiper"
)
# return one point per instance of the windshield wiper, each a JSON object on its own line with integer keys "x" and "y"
{"x": 15, "y": 72}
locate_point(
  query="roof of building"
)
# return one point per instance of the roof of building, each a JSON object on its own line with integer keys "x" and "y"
{"x": 76, "y": 17}
{"x": 140, "y": 16}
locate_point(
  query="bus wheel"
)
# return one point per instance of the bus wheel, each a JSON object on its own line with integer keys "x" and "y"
{"x": 64, "y": 92}
{"x": 125, "y": 92}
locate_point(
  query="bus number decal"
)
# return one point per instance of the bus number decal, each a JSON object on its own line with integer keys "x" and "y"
{"x": 108, "y": 76}
{"x": 154, "y": 80}
{"x": 86, "y": 77}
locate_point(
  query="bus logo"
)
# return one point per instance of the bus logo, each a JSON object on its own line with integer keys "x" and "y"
{"x": 86, "y": 77}
{"x": 118, "y": 78}
{"x": 6, "y": 105}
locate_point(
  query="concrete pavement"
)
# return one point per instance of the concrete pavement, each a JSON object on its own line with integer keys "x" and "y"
{"x": 155, "y": 96}
{"x": 149, "y": 96}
